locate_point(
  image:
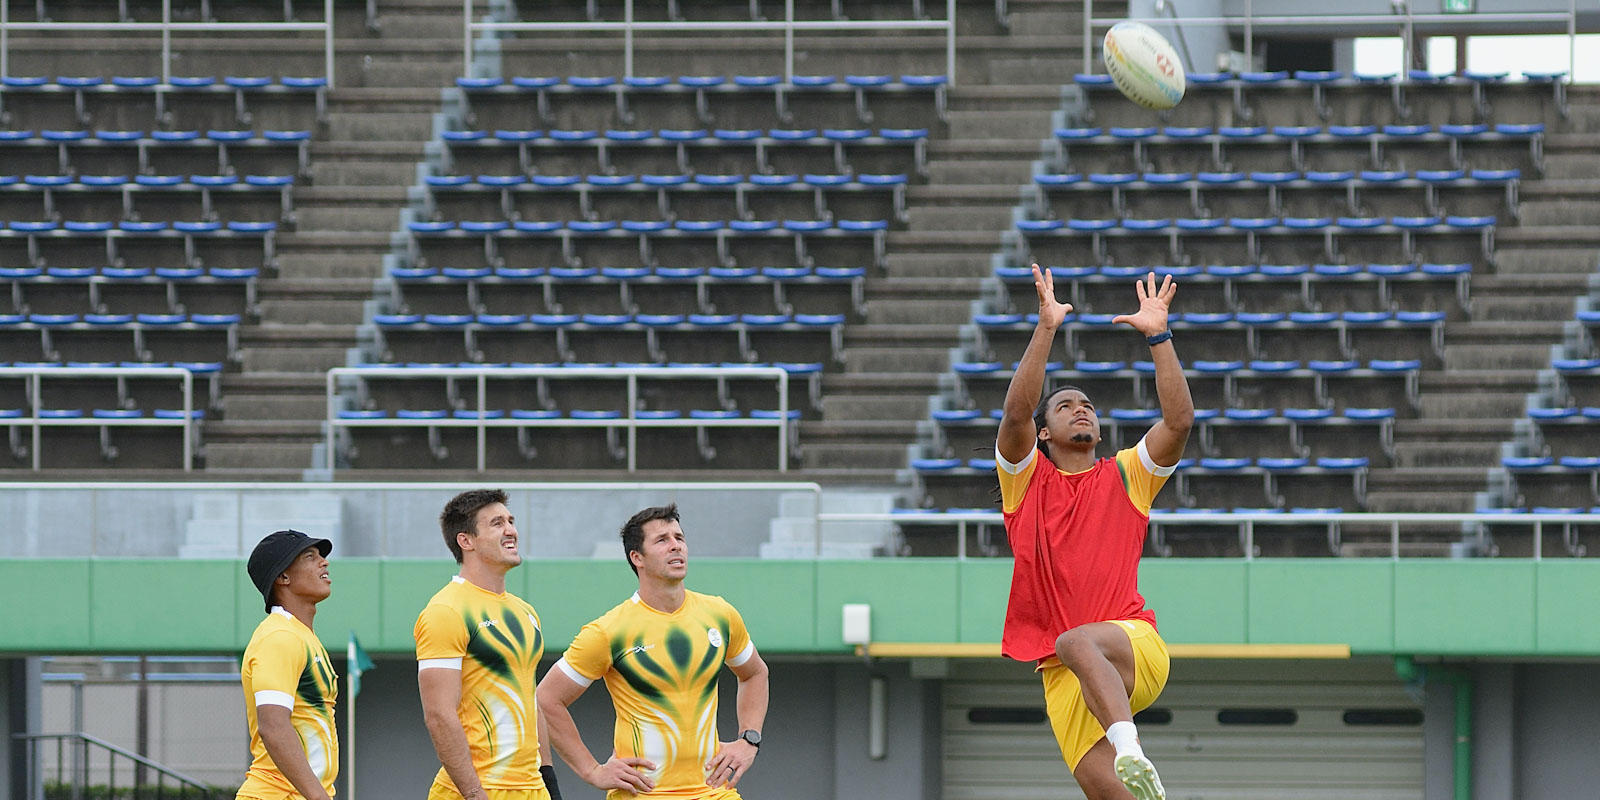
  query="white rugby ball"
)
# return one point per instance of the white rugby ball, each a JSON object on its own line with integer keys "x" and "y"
{"x": 1143, "y": 65}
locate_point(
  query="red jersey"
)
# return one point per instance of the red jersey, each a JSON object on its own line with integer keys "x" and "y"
{"x": 1076, "y": 540}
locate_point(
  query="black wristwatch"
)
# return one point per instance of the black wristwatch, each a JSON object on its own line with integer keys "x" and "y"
{"x": 751, "y": 736}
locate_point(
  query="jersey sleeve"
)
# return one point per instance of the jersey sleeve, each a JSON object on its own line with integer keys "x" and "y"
{"x": 740, "y": 648}
{"x": 1014, "y": 478}
{"x": 276, "y": 663}
{"x": 589, "y": 656}
{"x": 441, "y": 636}
{"x": 1142, "y": 476}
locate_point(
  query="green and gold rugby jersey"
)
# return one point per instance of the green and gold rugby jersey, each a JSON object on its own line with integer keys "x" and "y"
{"x": 661, "y": 670}
{"x": 494, "y": 640}
{"x": 286, "y": 665}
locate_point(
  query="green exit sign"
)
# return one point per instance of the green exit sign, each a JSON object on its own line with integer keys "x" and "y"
{"x": 1458, "y": 6}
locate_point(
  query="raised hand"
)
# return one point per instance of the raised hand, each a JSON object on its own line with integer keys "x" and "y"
{"x": 622, "y": 773}
{"x": 1153, "y": 305}
{"x": 1052, "y": 312}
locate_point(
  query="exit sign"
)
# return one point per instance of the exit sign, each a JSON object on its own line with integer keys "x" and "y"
{"x": 1458, "y": 6}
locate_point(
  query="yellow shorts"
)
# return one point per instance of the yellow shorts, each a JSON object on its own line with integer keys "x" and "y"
{"x": 708, "y": 794}
{"x": 1076, "y": 729}
{"x": 442, "y": 789}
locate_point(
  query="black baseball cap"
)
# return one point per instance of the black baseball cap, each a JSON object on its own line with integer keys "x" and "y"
{"x": 274, "y": 554}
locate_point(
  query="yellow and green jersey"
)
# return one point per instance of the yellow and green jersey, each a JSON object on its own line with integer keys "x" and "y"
{"x": 494, "y": 641}
{"x": 286, "y": 665}
{"x": 661, "y": 670}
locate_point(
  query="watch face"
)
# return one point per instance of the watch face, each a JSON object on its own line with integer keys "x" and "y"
{"x": 753, "y": 737}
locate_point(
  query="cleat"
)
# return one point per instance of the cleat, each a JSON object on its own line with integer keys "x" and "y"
{"x": 1139, "y": 775}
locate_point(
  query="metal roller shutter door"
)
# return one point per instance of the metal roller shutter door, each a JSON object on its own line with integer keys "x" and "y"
{"x": 1308, "y": 730}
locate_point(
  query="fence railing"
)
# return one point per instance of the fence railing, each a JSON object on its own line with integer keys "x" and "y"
{"x": 35, "y": 377}
{"x": 789, "y": 26}
{"x": 74, "y": 749}
{"x": 1403, "y": 22}
{"x": 1473, "y": 526}
{"x": 166, "y": 27}
{"x": 629, "y": 422}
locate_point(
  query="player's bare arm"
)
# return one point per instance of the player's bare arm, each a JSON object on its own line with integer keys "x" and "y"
{"x": 735, "y": 757}
{"x": 1017, "y": 434}
{"x": 283, "y": 744}
{"x": 556, "y": 692}
{"x": 1166, "y": 438}
{"x": 441, "y": 694}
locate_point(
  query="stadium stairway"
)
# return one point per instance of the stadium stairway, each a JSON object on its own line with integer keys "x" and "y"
{"x": 365, "y": 157}
{"x": 1010, "y": 82}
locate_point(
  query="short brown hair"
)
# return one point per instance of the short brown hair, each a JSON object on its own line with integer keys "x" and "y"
{"x": 633, "y": 529}
{"x": 461, "y": 514}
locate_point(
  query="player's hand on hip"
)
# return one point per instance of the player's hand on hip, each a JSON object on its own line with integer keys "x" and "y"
{"x": 1154, "y": 304}
{"x": 1052, "y": 312}
{"x": 622, "y": 773}
{"x": 731, "y": 763}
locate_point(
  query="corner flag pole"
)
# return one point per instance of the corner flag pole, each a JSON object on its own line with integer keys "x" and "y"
{"x": 350, "y": 732}
{"x": 356, "y": 662}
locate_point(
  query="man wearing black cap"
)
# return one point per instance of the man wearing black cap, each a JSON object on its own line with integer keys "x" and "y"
{"x": 289, "y": 685}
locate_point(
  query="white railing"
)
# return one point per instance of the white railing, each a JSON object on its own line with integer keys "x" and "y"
{"x": 1403, "y": 22}
{"x": 629, "y": 423}
{"x": 788, "y": 25}
{"x": 166, "y": 27}
{"x": 1248, "y": 523}
{"x": 35, "y": 377}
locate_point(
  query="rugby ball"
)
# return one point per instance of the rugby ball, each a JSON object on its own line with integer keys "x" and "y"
{"x": 1143, "y": 65}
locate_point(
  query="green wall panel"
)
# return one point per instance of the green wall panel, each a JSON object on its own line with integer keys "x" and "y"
{"x": 1464, "y": 607}
{"x": 985, "y": 589}
{"x": 569, "y": 594}
{"x": 1322, "y": 601}
{"x": 1196, "y": 602}
{"x": 186, "y": 605}
{"x": 1477, "y": 606}
{"x": 64, "y": 618}
{"x": 1568, "y": 592}
{"x": 776, "y": 598}
{"x": 913, "y": 600}
{"x": 404, "y": 587}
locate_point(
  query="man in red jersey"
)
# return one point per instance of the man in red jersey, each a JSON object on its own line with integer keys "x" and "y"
{"x": 1077, "y": 526}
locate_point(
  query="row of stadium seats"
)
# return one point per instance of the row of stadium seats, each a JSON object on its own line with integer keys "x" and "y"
{"x": 711, "y": 193}
{"x": 1323, "y": 88}
{"x": 483, "y": 97}
{"x": 685, "y": 151}
{"x": 157, "y": 157}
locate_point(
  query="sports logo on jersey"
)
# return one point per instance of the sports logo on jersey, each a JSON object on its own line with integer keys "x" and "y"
{"x": 635, "y": 649}
{"x": 714, "y": 636}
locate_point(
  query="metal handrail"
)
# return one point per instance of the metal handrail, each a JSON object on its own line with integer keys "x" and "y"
{"x": 82, "y": 742}
{"x": 1403, "y": 18}
{"x": 35, "y": 378}
{"x": 1248, "y": 521}
{"x": 789, "y": 25}
{"x": 631, "y": 423}
{"x": 167, "y": 27}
